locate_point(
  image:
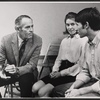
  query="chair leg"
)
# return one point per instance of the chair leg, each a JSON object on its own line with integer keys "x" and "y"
{"x": 11, "y": 87}
{"x": 7, "y": 91}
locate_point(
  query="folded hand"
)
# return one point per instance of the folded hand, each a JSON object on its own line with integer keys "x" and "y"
{"x": 10, "y": 69}
{"x": 55, "y": 74}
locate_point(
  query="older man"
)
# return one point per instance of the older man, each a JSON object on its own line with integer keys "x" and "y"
{"x": 19, "y": 54}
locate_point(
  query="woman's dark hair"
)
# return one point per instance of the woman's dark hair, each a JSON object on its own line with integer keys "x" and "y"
{"x": 70, "y": 15}
{"x": 90, "y": 15}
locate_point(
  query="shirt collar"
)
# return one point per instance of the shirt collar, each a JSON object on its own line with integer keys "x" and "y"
{"x": 19, "y": 40}
{"x": 96, "y": 40}
{"x": 74, "y": 36}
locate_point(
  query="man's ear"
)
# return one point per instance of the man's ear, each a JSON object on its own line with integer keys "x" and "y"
{"x": 86, "y": 25}
{"x": 17, "y": 28}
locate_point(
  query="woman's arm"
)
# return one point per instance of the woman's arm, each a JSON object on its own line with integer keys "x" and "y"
{"x": 74, "y": 70}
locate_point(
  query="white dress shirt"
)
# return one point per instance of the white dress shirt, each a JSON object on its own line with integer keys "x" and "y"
{"x": 19, "y": 41}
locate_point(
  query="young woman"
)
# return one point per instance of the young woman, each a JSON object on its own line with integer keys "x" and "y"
{"x": 66, "y": 66}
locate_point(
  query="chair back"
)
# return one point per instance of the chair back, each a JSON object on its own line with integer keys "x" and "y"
{"x": 49, "y": 59}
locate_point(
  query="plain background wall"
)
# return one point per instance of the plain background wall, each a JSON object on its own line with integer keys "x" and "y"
{"x": 48, "y": 17}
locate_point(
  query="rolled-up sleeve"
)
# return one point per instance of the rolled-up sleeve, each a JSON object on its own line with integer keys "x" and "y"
{"x": 83, "y": 77}
{"x": 84, "y": 74}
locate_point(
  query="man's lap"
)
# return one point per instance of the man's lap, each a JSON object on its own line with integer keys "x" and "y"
{"x": 59, "y": 90}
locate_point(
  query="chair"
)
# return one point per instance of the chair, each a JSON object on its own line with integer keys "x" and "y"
{"x": 49, "y": 59}
{"x": 9, "y": 89}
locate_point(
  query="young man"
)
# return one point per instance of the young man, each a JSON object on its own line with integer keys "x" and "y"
{"x": 88, "y": 80}
{"x": 20, "y": 51}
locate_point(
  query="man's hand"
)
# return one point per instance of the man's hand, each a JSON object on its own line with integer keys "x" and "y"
{"x": 11, "y": 69}
{"x": 72, "y": 93}
{"x": 55, "y": 74}
{"x": 69, "y": 90}
{"x": 3, "y": 75}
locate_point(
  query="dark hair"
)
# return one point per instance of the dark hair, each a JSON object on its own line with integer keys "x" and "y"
{"x": 90, "y": 15}
{"x": 18, "y": 20}
{"x": 70, "y": 15}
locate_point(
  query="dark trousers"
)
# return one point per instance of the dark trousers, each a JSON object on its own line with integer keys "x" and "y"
{"x": 59, "y": 91}
{"x": 25, "y": 83}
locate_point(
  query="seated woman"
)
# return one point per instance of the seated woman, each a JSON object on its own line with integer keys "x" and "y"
{"x": 66, "y": 66}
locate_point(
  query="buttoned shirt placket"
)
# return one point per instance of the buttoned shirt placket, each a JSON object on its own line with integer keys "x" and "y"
{"x": 92, "y": 47}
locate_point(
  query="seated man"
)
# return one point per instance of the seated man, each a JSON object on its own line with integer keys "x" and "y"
{"x": 19, "y": 53}
{"x": 90, "y": 74}
{"x": 88, "y": 80}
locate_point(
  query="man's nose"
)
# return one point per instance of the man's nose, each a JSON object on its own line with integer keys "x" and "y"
{"x": 31, "y": 29}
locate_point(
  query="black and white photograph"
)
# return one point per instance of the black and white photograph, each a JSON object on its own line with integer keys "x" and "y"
{"x": 49, "y": 50}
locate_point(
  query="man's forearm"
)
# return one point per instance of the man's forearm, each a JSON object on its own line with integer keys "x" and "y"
{"x": 85, "y": 90}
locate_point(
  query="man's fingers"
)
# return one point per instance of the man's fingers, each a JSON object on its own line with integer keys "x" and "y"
{"x": 10, "y": 68}
{"x": 67, "y": 91}
{"x": 5, "y": 77}
{"x": 67, "y": 95}
{"x": 12, "y": 72}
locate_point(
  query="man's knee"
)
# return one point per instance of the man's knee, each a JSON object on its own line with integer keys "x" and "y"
{"x": 56, "y": 93}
